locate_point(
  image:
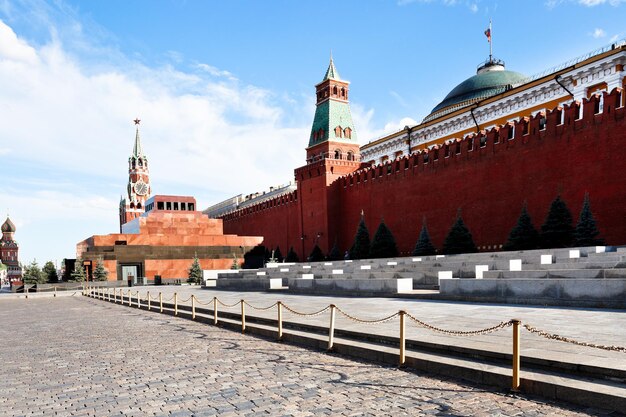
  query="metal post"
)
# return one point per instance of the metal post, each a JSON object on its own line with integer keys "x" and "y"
{"x": 161, "y": 301}
{"x": 402, "y": 357}
{"x": 175, "y": 304}
{"x": 280, "y": 320}
{"x": 331, "y": 328}
{"x": 148, "y": 300}
{"x": 243, "y": 316}
{"x": 215, "y": 311}
{"x": 26, "y": 292}
{"x": 193, "y": 307}
{"x": 55, "y": 291}
{"x": 515, "y": 383}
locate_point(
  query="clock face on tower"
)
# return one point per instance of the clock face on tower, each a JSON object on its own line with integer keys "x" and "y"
{"x": 141, "y": 188}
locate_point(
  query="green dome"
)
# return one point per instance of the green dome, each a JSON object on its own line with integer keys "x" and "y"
{"x": 485, "y": 84}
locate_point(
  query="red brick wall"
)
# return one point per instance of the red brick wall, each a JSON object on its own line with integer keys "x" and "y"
{"x": 488, "y": 184}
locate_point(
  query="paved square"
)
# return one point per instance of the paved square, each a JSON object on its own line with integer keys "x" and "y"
{"x": 74, "y": 356}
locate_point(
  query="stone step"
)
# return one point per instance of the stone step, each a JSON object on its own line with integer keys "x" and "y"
{"x": 557, "y": 273}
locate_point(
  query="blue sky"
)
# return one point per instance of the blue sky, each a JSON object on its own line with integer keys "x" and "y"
{"x": 225, "y": 90}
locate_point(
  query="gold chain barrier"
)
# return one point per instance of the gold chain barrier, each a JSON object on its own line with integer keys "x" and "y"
{"x": 559, "y": 338}
{"x": 333, "y": 309}
{"x": 495, "y": 328}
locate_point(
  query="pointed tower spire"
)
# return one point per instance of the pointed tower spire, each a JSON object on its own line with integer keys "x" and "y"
{"x": 331, "y": 72}
{"x": 137, "y": 150}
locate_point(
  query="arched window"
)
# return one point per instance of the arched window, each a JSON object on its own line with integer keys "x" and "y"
{"x": 132, "y": 205}
{"x": 138, "y": 205}
{"x": 337, "y": 153}
{"x": 343, "y": 92}
{"x": 140, "y": 162}
{"x": 335, "y": 90}
{"x": 347, "y": 132}
{"x": 338, "y": 132}
{"x": 350, "y": 156}
{"x": 314, "y": 135}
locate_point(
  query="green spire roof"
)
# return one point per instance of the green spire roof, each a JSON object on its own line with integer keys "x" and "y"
{"x": 331, "y": 72}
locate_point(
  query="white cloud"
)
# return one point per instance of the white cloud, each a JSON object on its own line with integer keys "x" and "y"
{"x": 598, "y": 33}
{"x": 473, "y": 7}
{"x": 592, "y": 3}
{"x": 216, "y": 72}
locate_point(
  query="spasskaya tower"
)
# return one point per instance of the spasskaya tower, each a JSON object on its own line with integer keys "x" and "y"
{"x": 138, "y": 188}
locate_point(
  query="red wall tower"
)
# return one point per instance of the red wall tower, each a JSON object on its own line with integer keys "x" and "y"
{"x": 333, "y": 151}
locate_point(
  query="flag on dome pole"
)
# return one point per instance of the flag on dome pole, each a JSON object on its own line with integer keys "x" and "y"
{"x": 488, "y": 33}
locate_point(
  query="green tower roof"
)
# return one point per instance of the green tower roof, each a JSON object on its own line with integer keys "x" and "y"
{"x": 331, "y": 72}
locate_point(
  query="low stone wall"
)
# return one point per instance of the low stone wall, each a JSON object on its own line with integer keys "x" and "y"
{"x": 606, "y": 293}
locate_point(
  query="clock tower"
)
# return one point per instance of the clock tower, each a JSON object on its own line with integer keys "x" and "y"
{"x": 138, "y": 188}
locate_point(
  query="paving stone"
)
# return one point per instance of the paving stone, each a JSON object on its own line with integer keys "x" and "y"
{"x": 77, "y": 356}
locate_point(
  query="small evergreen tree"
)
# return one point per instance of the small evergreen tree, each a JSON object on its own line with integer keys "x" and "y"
{"x": 100, "y": 273}
{"x": 292, "y": 256}
{"x": 523, "y": 236}
{"x": 195, "y": 272}
{"x": 361, "y": 247}
{"x": 50, "y": 272}
{"x": 383, "y": 244}
{"x": 79, "y": 274}
{"x": 334, "y": 254}
{"x": 316, "y": 255}
{"x": 424, "y": 246}
{"x": 278, "y": 254}
{"x": 586, "y": 231}
{"x": 235, "y": 264}
{"x": 459, "y": 239}
{"x": 557, "y": 231}
{"x": 33, "y": 274}
{"x": 268, "y": 255}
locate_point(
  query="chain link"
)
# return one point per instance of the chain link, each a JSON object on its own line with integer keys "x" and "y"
{"x": 553, "y": 336}
{"x": 203, "y": 304}
{"x": 358, "y": 320}
{"x": 228, "y": 305}
{"x": 260, "y": 308}
{"x": 297, "y": 313}
{"x": 497, "y": 327}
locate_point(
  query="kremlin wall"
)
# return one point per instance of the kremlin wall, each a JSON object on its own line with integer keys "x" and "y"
{"x": 565, "y": 136}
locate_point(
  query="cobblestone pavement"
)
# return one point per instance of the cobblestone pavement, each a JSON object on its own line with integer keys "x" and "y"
{"x": 74, "y": 356}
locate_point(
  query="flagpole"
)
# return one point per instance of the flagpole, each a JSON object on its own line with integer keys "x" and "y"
{"x": 490, "y": 43}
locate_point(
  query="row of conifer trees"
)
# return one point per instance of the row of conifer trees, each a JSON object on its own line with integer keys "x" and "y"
{"x": 557, "y": 231}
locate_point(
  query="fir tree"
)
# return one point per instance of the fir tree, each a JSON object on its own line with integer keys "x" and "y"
{"x": 459, "y": 239}
{"x": 557, "y": 231}
{"x": 586, "y": 231}
{"x": 316, "y": 255}
{"x": 383, "y": 244}
{"x": 334, "y": 254}
{"x": 100, "y": 273}
{"x": 235, "y": 264}
{"x": 195, "y": 272}
{"x": 523, "y": 236}
{"x": 424, "y": 247}
{"x": 278, "y": 254}
{"x": 33, "y": 274}
{"x": 292, "y": 256}
{"x": 50, "y": 272}
{"x": 79, "y": 274}
{"x": 361, "y": 247}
